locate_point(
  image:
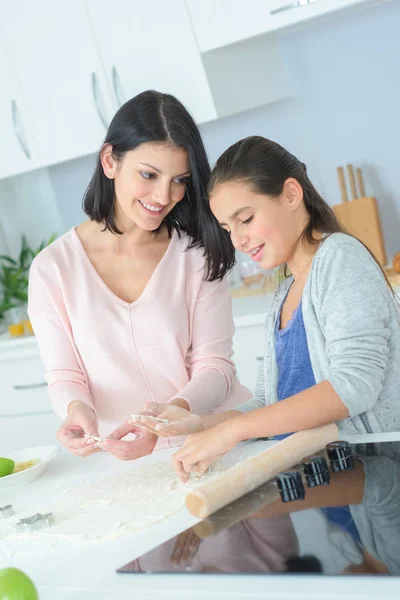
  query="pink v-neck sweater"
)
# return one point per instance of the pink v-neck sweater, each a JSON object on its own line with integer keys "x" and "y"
{"x": 175, "y": 340}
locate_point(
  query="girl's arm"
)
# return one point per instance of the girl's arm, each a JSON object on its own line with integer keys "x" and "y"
{"x": 317, "y": 406}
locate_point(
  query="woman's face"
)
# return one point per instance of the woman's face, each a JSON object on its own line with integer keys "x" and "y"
{"x": 265, "y": 227}
{"x": 149, "y": 181}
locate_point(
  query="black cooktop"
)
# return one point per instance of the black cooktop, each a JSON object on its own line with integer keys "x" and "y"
{"x": 335, "y": 513}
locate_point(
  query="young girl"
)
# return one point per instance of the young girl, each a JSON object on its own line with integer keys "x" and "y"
{"x": 132, "y": 305}
{"x": 332, "y": 334}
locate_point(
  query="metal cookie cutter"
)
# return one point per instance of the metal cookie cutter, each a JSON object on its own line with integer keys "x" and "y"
{"x": 6, "y": 511}
{"x": 35, "y": 522}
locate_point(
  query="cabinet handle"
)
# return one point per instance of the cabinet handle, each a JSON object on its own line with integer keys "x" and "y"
{"x": 95, "y": 91}
{"x": 30, "y": 386}
{"x": 259, "y": 358}
{"x": 117, "y": 87}
{"x": 296, "y": 4}
{"x": 18, "y": 129}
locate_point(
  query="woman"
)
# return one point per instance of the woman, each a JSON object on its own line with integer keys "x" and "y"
{"x": 132, "y": 306}
{"x": 332, "y": 332}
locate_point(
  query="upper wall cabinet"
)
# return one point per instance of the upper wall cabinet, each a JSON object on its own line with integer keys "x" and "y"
{"x": 18, "y": 152}
{"x": 218, "y": 23}
{"x": 68, "y": 102}
{"x": 150, "y": 45}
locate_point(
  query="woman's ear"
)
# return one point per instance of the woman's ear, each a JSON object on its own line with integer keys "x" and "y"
{"x": 108, "y": 163}
{"x": 293, "y": 193}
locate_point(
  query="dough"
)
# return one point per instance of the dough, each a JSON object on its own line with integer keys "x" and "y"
{"x": 112, "y": 507}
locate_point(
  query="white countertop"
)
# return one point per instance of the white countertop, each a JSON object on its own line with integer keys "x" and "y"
{"x": 88, "y": 572}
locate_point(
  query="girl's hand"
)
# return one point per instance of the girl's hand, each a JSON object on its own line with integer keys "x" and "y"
{"x": 179, "y": 420}
{"x": 130, "y": 449}
{"x": 201, "y": 449}
{"x": 81, "y": 420}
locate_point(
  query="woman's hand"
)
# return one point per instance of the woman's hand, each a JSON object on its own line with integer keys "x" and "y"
{"x": 201, "y": 449}
{"x": 130, "y": 449}
{"x": 81, "y": 420}
{"x": 179, "y": 420}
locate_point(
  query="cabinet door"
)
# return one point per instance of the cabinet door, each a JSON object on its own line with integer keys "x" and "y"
{"x": 151, "y": 45}
{"x": 59, "y": 70}
{"x": 284, "y": 13}
{"x": 23, "y": 388}
{"x": 218, "y": 23}
{"x": 17, "y": 150}
{"x": 248, "y": 348}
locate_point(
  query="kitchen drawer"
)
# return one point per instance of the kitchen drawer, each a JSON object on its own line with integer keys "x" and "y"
{"x": 19, "y": 431}
{"x": 22, "y": 386}
{"x": 248, "y": 347}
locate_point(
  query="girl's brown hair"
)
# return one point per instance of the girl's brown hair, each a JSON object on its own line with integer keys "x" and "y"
{"x": 265, "y": 165}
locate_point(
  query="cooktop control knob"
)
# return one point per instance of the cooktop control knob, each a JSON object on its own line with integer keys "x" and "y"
{"x": 340, "y": 456}
{"x": 316, "y": 471}
{"x": 290, "y": 486}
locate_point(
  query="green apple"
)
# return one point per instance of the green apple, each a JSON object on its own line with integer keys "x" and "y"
{"x": 6, "y": 466}
{"x": 15, "y": 585}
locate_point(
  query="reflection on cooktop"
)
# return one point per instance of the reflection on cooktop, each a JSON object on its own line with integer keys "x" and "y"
{"x": 335, "y": 513}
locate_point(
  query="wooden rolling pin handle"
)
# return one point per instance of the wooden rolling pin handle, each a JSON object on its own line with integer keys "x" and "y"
{"x": 249, "y": 474}
{"x": 360, "y": 183}
{"x": 352, "y": 181}
{"x": 342, "y": 184}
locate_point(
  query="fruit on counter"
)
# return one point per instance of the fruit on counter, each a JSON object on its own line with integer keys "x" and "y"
{"x": 6, "y": 466}
{"x": 21, "y": 466}
{"x": 15, "y": 585}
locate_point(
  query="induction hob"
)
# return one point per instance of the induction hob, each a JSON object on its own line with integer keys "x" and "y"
{"x": 337, "y": 513}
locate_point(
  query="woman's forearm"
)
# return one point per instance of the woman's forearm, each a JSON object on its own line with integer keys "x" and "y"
{"x": 314, "y": 407}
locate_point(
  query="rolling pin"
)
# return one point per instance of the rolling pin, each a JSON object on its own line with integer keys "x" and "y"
{"x": 237, "y": 511}
{"x": 246, "y": 476}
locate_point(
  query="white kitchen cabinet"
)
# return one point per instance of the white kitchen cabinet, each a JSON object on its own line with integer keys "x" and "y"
{"x": 218, "y": 23}
{"x": 55, "y": 58}
{"x": 150, "y": 45}
{"x": 18, "y": 152}
{"x": 248, "y": 348}
{"x": 23, "y": 388}
{"x": 23, "y": 431}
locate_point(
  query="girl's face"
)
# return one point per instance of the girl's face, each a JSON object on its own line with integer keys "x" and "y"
{"x": 265, "y": 227}
{"x": 149, "y": 181}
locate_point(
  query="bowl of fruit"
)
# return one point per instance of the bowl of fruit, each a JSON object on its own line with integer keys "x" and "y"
{"x": 23, "y": 466}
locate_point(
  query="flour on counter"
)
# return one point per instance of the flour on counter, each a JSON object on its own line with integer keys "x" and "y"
{"x": 115, "y": 506}
{"x": 112, "y": 507}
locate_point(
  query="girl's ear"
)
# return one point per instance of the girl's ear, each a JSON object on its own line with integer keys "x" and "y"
{"x": 108, "y": 163}
{"x": 292, "y": 193}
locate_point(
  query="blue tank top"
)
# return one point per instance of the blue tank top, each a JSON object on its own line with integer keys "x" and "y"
{"x": 295, "y": 375}
{"x": 295, "y": 372}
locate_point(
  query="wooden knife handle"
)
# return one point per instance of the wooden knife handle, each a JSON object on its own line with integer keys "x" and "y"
{"x": 249, "y": 474}
{"x": 342, "y": 184}
{"x": 360, "y": 183}
{"x": 352, "y": 181}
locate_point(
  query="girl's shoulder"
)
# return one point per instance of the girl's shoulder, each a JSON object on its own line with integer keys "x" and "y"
{"x": 339, "y": 248}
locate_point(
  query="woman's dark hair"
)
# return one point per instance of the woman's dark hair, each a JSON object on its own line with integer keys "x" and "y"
{"x": 155, "y": 117}
{"x": 265, "y": 165}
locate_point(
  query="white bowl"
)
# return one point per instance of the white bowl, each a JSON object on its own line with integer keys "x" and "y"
{"x": 43, "y": 453}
